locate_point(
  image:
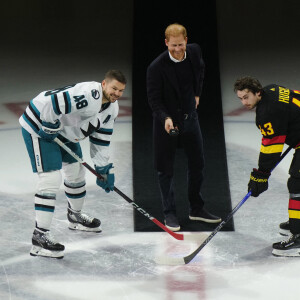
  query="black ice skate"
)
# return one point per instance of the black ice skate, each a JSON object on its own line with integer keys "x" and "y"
{"x": 284, "y": 228}
{"x": 289, "y": 247}
{"x": 43, "y": 244}
{"x": 82, "y": 221}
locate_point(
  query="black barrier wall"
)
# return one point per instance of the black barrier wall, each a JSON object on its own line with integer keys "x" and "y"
{"x": 150, "y": 20}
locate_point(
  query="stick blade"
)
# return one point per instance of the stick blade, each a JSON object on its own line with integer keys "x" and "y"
{"x": 169, "y": 261}
{"x": 198, "y": 238}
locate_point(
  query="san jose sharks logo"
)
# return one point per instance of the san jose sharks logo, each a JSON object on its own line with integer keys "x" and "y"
{"x": 95, "y": 94}
{"x": 91, "y": 128}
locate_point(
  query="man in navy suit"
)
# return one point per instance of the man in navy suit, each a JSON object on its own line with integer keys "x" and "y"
{"x": 174, "y": 86}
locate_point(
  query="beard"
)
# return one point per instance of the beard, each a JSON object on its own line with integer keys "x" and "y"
{"x": 108, "y": 97}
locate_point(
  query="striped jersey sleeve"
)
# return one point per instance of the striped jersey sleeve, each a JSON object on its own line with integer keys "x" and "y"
{"x": 68, "y": 104}
{"x": 100, "y": 140}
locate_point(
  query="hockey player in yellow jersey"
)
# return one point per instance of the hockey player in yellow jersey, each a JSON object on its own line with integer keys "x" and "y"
{"x": 71, "y": 113}
{"x": 278, "y": 119}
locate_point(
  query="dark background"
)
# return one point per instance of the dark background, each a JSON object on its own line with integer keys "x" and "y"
{"x": 47, "y": 44}
{"x": 259, "y": 39}
{"x": 150, "y": 20}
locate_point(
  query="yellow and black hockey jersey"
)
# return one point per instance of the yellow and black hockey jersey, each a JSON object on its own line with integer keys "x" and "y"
{"x": 278, "y": 118}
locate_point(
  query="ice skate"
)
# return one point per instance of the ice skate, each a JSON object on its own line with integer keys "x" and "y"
{"x": 43, "y": 244}
{"x": 284, "y": 228}
{"x": 289, "y": 247}
{"x": 82, "y": 221}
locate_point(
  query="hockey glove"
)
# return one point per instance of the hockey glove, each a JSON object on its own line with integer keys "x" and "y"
{"x": 109, "y": 177}
{"x": 258, "y": 182}
{"x": 50, "y": 131}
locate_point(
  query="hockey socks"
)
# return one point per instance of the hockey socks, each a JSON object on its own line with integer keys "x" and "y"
{"x": 44, "y": 208}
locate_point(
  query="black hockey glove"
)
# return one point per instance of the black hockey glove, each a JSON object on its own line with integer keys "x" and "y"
{"x": 258, "y": 182}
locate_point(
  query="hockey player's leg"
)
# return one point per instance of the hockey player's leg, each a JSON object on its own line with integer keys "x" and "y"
{"x": 46, "y": 161}
{"x": 43, "y": 243}
{"x": 284, "y": 228}
{"x": 75, "y": 191}
{"x": 291, "y": 247}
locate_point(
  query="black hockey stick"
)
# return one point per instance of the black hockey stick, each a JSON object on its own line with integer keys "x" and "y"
{"x": 178, "y": 236}
{"x": 185, "y": 260}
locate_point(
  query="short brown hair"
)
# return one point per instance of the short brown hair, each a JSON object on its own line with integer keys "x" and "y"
{"x": 115, "y": 74}
{"x": 175, "y": 30}
{"x": 249, "y": 83}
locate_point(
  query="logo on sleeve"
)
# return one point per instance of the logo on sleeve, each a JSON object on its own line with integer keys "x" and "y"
{"x": 95, "y": 94}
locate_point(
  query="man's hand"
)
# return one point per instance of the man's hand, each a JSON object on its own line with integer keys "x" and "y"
{"x": 50, "y": 131}
{"x": 168, "y": 125}
{"x": 109, "y": 177}
{"x": 258, "y": 182}
{"x": 197, "y": 98}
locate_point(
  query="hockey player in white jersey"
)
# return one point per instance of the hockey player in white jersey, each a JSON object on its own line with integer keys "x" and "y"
{"x": 71, "y": 113}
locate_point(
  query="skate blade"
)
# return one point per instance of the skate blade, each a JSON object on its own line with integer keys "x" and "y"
{"x": 39, "y": 251}
{"x": 286, "y": 253}
{"x": 284, "y": 232}
{"x": 80, "y": 227}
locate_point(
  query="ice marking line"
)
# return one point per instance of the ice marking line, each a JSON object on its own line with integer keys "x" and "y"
{"x": 9, "y": 290}
{"x": 240, "y": 121}
{"x": 238, "y": 111}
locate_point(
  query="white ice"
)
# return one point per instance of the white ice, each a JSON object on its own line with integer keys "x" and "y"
{"x": 120, "y": 263}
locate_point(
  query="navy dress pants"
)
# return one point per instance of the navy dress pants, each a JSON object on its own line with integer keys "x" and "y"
{"x": 192, "y": 142}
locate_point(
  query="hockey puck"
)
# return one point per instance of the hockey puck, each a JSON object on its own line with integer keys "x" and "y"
{"x": 173, "y": 132}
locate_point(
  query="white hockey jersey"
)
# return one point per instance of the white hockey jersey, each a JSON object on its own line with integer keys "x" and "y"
{"x": 81, "y": 113}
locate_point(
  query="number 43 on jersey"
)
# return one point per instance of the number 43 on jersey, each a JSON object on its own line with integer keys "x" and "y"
{"x": 267, "y": 130}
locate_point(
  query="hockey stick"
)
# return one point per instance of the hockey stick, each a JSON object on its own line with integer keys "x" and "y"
{"x": 178, "y": 236}
{"x": 185, "y": 260}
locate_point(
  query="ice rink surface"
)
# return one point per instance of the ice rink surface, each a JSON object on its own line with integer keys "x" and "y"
{"x": 120, "y": 263}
